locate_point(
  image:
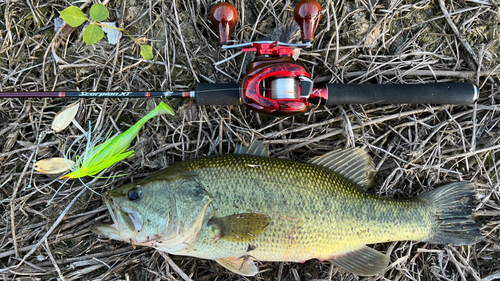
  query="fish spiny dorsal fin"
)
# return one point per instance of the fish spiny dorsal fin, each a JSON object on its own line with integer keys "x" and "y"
{"x": 256, "y": 148}
{"x": 240, "y": 227}
{"x": 364, "y": 261}
{"x": 243, "y": 266}
{"x": 353, "y": 163}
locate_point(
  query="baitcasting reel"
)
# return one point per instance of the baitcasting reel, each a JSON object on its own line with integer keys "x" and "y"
{"x": 274, "y": 83}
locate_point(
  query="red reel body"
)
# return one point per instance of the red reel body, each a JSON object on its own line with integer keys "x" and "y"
{"x": 274, "y": 83}
{"x": 263, "y": 100}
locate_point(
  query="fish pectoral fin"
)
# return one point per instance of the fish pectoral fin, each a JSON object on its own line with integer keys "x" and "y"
{"x": 365, "y": 261}
{"x": 256, "y": 148}
{"x": 242, "y": 265}
{"x": 353, "y": 163}
{"x": 240, "y": 227}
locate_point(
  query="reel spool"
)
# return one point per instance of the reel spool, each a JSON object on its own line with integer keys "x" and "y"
{"x": 288, "y": 88}
{"x": 283, "y": 88}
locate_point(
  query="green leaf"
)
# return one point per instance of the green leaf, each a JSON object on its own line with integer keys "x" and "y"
{"x": 92, "y": 34}
{"x": 99, "y": 12}
{"x": 73, "y": 16}
{"x": 147, "y": 52}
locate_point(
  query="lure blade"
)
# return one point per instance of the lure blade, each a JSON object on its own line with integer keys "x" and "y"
{"x": 64, "y": 117}
{"x": 55, "y": 165}
{"x": 102, "y": 156}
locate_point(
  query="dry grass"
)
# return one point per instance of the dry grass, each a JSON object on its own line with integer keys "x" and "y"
{"x": 415, "y": 147}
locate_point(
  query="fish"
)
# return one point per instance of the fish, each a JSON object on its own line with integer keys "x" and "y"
{"x": 247, "y": 207}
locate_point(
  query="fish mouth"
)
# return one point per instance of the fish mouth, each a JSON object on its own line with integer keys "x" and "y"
{"x": 109, "y": 204}
{"x": 122, "y": 215}
{"x": 134, "y": 217}
{"x": 108, "y": 230}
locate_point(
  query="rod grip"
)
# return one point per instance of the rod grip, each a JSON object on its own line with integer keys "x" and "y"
{"x": 217, "y": 94}
{"x": 439, "y": 93}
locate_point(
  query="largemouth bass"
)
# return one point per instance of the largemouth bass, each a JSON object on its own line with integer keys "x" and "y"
{"x": 240, "y": 208}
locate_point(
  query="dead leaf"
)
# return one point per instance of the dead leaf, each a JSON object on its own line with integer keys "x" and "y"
{"x": 64, "y": 117}
{"x": 113, "y": 34}
{"x": 55, "y": 165}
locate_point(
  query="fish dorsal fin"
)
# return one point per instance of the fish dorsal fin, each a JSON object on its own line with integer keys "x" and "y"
{"x": 256, "y": 148}
{"x": 353, "y": 163}
{"x": 364, "y": 261}
{"x": 243, "y": 266}
{"x": 240, "y": 227}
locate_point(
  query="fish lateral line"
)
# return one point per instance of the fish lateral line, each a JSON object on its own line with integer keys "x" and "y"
{"x": 289, "y": 219}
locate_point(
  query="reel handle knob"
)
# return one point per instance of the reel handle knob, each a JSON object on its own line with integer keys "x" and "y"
{"x": 307, "y": 15}
{"x": 224, "y": 16}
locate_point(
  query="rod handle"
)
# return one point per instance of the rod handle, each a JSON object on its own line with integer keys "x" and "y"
{"x": 439, "y": 93}
{"x": 217, "y": 94}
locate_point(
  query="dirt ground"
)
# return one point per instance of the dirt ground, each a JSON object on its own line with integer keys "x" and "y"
{"x": 415, "y": 147}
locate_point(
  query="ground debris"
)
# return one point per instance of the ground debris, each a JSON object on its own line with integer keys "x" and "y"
{"x": 415, "y": 147}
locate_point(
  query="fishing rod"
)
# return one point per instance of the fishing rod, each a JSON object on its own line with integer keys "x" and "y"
{"x": 276, "y": 85}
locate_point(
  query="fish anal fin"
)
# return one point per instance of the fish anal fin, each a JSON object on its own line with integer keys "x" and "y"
{"x": 364, "y": 261}
{"x": 241, "y": 265}
{"x": 242, "y": 227}
{"x": 352, "y": 163}
{"x": 256, "y": 148}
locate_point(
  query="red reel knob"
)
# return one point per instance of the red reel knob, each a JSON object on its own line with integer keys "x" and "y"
{"x": 307, "y": 15}
{"x": 224, "y": 16}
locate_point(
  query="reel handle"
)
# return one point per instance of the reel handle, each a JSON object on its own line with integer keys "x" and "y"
{"x": 307, "y": 15}
{"x": 224, "y": 16}
{"x": 439, "y": 93}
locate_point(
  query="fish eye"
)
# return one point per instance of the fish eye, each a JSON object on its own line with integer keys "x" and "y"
{"x": 134, "y": 194}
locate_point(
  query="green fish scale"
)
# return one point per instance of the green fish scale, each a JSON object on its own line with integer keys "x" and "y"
{"x": 315, "y": 213}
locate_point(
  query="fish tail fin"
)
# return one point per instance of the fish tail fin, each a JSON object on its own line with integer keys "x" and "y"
{"x": 453, "y": 205}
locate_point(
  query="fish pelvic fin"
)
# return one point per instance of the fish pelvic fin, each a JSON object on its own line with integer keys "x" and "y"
{"x": 352, "y": 163}
{"x": 257, "y": 148}
{"x": 453, "y": 205}
{"x": 364, "y": 261}
{"x": 242, "y": 265}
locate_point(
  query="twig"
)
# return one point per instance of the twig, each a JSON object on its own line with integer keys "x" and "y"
{"x": 104, "y": 254}
{"x": 457, "y": 33}
{"x": 465, "y": 263}
{"x": 47, "y": 248}
{"x": 491, "y": 277}
{"x": 13, "y": 202}
{"x": 471, "y": 153}
{"x": 47, "y": 144}
{"x": 457, "y": 264}
{"x": 368, "y": 123}
{"x": 184, "y": 44}
{"x": 54, "y": 225}
{"x": 175, "y": 267}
